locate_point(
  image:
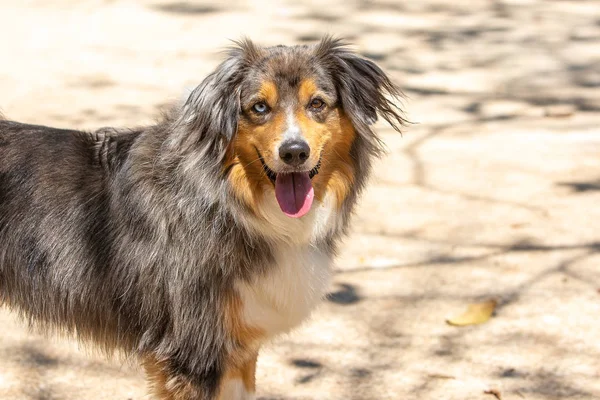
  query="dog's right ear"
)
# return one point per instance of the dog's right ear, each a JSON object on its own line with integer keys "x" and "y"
{"x": 210, "y": 114}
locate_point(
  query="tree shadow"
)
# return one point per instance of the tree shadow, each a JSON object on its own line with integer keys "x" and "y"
{"x": 551, "y": 385}
{"x": 494, "y": 250}
{"x": 357, "y": 376}
{"x": 586, "y": 75}
{"x": 346, "y": 295}
{"x": 311, "y": 369}
{"x": 451, "y": 347}
{"x": 582, "y": 186}
{"x": 543, "y": 380}
{"x": 33, "y": 361}
{"x": 186, "y": 8}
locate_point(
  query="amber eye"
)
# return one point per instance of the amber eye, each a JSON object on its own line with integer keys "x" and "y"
{"x": 317, "y": 104}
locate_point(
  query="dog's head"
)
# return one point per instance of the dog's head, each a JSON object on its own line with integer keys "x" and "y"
{"x": 292, "y": 123}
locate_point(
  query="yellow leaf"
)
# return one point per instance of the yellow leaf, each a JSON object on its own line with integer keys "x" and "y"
{"x": 476, "y": 314}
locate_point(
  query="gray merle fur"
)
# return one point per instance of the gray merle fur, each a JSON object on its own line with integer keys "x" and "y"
{"x": 131, "y": 239}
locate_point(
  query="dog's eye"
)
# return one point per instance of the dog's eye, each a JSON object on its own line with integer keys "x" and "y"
{"x": 317, "y": 104}
{"x": 260, "y": 107}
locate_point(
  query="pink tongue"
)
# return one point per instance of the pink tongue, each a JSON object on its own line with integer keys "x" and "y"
{"x": 294, "y": 193}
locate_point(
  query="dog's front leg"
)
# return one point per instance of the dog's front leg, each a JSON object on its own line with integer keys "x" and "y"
{"x": 168, "y": 383}
{"x": 239, "y": 382}
{"x": 236, "y": 383}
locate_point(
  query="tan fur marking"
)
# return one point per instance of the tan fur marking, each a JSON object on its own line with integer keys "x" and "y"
{"x": 306, "y": 91}
{"x": 157, "y": 379}
{"x": 245, "y": 373}
{"x": 248, "y": 371}
{"x": 332, "y": 140}
{"x": 165, "y": 387}
{"x": 241, "y": 363}
{"x": 268, "y": 91}
{"x": 246, "y": 338}
{"x": 247, "y": 177}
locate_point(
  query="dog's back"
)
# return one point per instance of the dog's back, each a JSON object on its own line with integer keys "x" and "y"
{"x": 53, "y": 213}
{"x": 192, "y": 242}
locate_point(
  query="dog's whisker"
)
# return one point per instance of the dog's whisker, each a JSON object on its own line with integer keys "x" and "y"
{"x": 252, "y": 162}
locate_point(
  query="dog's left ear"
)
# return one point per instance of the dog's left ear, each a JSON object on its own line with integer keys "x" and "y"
{"x": 210, "y": 114}
{"x": 364, "y": 89}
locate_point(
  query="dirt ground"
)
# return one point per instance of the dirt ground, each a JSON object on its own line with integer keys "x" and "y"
{"x": 492, "y": 193}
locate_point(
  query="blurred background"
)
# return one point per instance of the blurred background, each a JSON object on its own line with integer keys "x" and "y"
{"x": 492, "y": 194}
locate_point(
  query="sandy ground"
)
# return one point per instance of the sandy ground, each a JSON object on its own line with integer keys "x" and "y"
{"x": 494, "y": 192}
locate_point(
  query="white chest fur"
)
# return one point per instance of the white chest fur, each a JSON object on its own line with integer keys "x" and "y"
{"x": 284, "y": 297}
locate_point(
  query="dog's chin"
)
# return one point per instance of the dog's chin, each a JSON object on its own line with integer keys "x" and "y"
{"x": 293, "y": 189}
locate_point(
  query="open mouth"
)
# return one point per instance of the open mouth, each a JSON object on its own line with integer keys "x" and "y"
{"x": 293, "y": 190}
{"x": 272, "y": 175}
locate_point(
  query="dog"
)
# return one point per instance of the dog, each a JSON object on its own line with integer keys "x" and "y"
{"x": 189, "y": 243}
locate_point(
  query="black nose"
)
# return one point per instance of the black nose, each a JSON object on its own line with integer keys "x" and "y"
{"x": 294, "y": 152}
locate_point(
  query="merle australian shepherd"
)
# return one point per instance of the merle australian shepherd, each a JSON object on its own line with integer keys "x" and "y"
{"x": 191, "y": 242}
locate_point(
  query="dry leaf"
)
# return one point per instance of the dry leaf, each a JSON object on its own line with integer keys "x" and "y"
{"x": 495, "y": 393}
{"x": 476, "y": 314}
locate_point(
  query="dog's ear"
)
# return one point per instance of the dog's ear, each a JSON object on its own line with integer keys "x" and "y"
{"x": 210, "y": 114}
{"x": 364, "y": 89}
